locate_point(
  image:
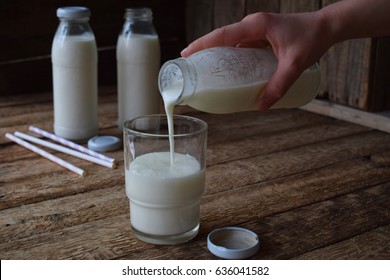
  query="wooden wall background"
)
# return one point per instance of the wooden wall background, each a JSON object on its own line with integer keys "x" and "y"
{"x": 354, "y": 73}
{"x": 27, "y": 29}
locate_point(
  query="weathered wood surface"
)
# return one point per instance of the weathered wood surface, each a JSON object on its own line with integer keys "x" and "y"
{"x": 373, "y": 120}
{"x": 298, "y": 6}
{"x": 312, "y": 187}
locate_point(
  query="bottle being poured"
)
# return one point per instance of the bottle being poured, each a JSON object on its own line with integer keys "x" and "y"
{"x": 226, "y": 80}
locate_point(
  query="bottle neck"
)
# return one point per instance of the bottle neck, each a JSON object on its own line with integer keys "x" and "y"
{"x": 74, "y": 27}
{"x": 76, "y": 20}
{"x": 177, "y": 80}
{"x": 138, "y": 21}
{"x": 139, "y": 14}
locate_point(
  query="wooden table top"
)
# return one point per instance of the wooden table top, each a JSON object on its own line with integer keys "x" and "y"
{"x": 310, "y": 186}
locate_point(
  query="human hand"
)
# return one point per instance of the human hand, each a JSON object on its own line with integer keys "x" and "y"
{"x": 298, "y": 41}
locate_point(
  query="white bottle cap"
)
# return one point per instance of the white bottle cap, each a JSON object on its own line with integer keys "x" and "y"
{"x": 73, "y": 12}
{"x": 233, "y": 243}
{"x": 104, "y": 143}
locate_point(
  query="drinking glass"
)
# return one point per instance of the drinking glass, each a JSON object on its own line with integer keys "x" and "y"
{"x": 165, "y": 189}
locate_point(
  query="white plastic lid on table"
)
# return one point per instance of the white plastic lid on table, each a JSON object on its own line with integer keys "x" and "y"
{"x": 233, "y": 243}
{"x": 104, "y": 143}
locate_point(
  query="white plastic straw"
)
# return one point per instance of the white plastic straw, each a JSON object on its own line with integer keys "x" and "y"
{"x": 64, "y": 150}
{"x": 45, "y": 154}
{"x": 69, "y": 143}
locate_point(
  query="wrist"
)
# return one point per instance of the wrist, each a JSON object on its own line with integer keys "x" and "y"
{"x": 334, "y": 23}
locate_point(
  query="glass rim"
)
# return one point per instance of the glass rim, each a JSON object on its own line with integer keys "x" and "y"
{"x": 202, "y": 126}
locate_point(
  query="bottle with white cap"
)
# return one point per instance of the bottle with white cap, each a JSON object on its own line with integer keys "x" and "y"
{"x": 138, "y": 63}
{"x": 74, "y": 60}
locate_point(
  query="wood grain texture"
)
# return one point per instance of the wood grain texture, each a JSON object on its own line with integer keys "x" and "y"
{"x": 375, "y": 245}
{"x": 353, "y": 73}
{"x": 253, "y": 6}
{"x": 199, "y": 18}
{"x": 228, "y": 11}
{"x": 380, "y": 83}
{"x": 311, "y": 186}
{"x": 298, "y": 6}
{"x": 345, "y": 113}
{"x": 346, "y": 72}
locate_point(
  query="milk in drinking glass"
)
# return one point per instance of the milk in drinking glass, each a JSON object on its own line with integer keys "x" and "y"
{"x": 165, "y": 195}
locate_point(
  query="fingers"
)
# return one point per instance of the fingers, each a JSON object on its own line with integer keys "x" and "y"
{"x": 261, "y": 30}
{"x": 278, "y": 85}
{"x": 229, "y": 35}
{"x": 224, "y": 36}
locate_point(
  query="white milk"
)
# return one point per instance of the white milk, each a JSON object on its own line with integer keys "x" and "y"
{"x": 138, "y": 62}
{"x": 169, "y": 105}
{"x": 74, "y": 61}
{"x": 164, "y": 198}
{"x": 244, "y": 98}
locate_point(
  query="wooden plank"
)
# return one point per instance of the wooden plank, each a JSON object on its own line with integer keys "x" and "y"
{"x": 346, "y": 77}
{"x": 50, "y": 230}
{"x": 203, "y": 16}
{"x": 352, "y": 71}
{"x": 227, "y": 150}
{"x": 345, "y": 113}
{"x": 228, "y": 11}
{"x": 295, "y": 232}
{"x": 369, "y": 245}
{"x": 253, "y": 6}
{"x": 55, "y": 214}
{"x": 46, "y": 123}
{"x": 263, "y": 167}
{"x": 279, "y": 132}
{"x": 298, "y": 6}
{"x": 251, "y": 200}
{"x": 103, "y": 239}
{"x": 31, "y": 180}
{"x": 199, "y": 18}
{"x": 345, "y": 73}
{"x": 302, "y": 181}
{"x": 380, "y": 91}
{"x": 252, "y": 165}
{"x": 270, "y": 124}
{"x": 21, "y": 117}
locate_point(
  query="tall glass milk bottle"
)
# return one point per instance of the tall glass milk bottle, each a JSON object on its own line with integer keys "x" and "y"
{"x": 74, "y": 60}
{"x": 227, "y": 80}
{"x": 138, "y": 63}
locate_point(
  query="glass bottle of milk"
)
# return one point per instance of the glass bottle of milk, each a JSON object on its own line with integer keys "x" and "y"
{"x": 138, "y": 63}
{"x": 74, "y": 60}
{"x": 227, "y": 80}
